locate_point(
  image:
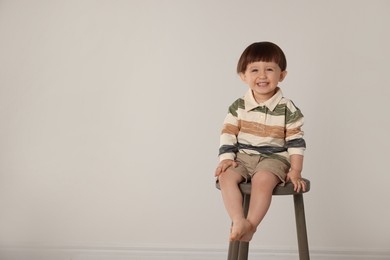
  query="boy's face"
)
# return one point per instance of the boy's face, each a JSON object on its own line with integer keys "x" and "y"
{"x": 263, "y": 78}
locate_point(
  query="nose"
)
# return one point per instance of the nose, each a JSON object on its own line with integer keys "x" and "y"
{"x": 261, "y": 74}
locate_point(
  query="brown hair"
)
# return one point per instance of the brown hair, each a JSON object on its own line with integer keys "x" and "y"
{"x": 262, "y": 51}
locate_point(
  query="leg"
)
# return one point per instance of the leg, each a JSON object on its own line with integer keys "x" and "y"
{"x": 263, "y": 183}
{"x": 232, "y": 199}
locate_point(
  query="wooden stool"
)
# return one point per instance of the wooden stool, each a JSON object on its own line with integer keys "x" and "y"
{"x": 238, "y": 250}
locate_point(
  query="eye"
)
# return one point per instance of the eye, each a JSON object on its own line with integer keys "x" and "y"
{"x": 254, "y": 70}
{"x": 270, "y": 69}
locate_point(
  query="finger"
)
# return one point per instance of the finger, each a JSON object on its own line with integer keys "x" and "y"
{"x": 295, "y": 185}
{"x": 218, "y": 171}
{"x": 298, "y": 185}
{"x": 224, "y": 167}
{"x": 227, "y": 165}
{"x": 304, "y": 186}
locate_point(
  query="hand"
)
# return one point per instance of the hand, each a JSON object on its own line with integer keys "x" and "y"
{"x": 224, "y": 165}
{"x": 297, "y": 181}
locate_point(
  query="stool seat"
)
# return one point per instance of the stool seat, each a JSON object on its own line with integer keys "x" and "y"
{"x": 287, "y": 189}
{"x": 238, "y": 250}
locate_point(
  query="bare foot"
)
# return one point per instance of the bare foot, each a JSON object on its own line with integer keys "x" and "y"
{"x": 249, "y": 234}
{"x": 242, "y": 229}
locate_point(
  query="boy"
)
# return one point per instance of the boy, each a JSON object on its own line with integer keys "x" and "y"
{"x": 261, "y": 141}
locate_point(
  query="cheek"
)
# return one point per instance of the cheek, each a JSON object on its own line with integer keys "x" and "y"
{"x": 278, "y": 78}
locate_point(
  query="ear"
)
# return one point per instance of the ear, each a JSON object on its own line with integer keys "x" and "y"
{"x": 242, "y": 77}
{"x": 283, "y": 74}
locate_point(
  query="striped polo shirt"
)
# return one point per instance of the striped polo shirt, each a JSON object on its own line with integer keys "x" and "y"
{"x": 272, "y": 129}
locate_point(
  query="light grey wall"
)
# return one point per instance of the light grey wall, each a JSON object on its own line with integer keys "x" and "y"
{"x": 110, "y": 115}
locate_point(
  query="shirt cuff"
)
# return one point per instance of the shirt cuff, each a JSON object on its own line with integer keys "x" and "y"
{"x": 294, "y": 150}
{"x": 227, "y": 156}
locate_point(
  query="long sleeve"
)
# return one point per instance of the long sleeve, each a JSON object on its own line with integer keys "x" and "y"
{"x": 228, "y": 139}
{"x": 294, "y": 134}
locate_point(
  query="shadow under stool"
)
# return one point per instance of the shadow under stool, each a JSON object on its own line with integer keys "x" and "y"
{"x": 238, "y": 250}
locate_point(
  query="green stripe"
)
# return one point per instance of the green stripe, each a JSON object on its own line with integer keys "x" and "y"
{"x": 280, "y": 110}
{"x": 293, "y": 117}
{"x": 239, "y": 103}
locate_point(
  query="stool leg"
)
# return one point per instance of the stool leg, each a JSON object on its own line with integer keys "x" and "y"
{"x": 233, "y": 250}
{"x": 243, "y": 249}
{"x": 300, "y": 220}
{"x": 238, "y": 250}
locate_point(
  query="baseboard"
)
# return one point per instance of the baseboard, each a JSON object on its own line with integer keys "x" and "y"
{"x": 161, "y": 252}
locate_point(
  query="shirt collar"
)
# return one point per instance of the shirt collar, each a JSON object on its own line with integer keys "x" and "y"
{"x": 250, "y": 102}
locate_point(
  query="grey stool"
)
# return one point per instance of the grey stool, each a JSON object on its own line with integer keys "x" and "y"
{"x": 238, "y": 250}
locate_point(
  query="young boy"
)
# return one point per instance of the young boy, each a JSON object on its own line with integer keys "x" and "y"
{"x": 261, "y": 141}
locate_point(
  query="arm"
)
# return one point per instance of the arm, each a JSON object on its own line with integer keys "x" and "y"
{"x": 296, "y": 146}
{"x": 228, "y": 140}
{"x": 294, "y": 175}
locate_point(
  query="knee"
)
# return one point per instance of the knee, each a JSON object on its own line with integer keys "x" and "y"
{"x": 223, "y": 178}
{"x": 228, "y": 177}
{"x": 264, "y": 179}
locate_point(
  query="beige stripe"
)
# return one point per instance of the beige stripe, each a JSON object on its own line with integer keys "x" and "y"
{"x": 262, "y": 130}
{"x": 230, "y": 129}
{"x": 255, "y": 116}
{"x": 294, "y": 131}
{"x": 230, "y": 119}
{"x": 259, "y": 141}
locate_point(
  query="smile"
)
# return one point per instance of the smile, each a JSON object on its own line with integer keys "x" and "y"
{"x": 262, "y": 84}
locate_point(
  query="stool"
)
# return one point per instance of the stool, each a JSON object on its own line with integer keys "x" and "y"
{"x": 238, "y": 250}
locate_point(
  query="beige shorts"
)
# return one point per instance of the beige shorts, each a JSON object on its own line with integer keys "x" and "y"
{"x": 248, "y": 165}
